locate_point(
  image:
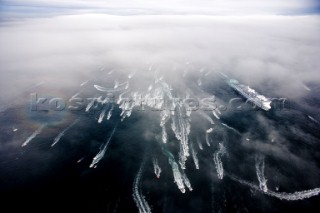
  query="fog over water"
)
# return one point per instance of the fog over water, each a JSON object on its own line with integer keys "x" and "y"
{"x": 131, "y": 107}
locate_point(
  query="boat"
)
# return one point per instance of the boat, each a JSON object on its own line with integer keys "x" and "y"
{"x": 249, "y": 93}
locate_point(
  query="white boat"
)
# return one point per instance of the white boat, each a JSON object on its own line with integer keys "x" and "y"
{"x": 249, "y": 93}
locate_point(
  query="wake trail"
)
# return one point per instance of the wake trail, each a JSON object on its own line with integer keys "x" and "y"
{"x": 103, "y": 150}
{"x": 217, "y": 160}
{"x": 231, "y": 128}
{"x": 194, "y": 156}
{"x": 313, "y": 119}
{"x": 156, "y": 167}
{"x": 299, "y": 195}
{"x": 57, "y": 139}
{"x": 260, "y": 173}
{"x": 34, "y": 134}
{"x": 138, "y": 198}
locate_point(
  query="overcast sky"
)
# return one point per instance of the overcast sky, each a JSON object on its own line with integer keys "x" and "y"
{"x": 215, "y": 7}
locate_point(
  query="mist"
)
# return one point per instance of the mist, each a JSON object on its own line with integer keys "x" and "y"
{"x": 254, "y": 49}
{"x": 122, "y": 155}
